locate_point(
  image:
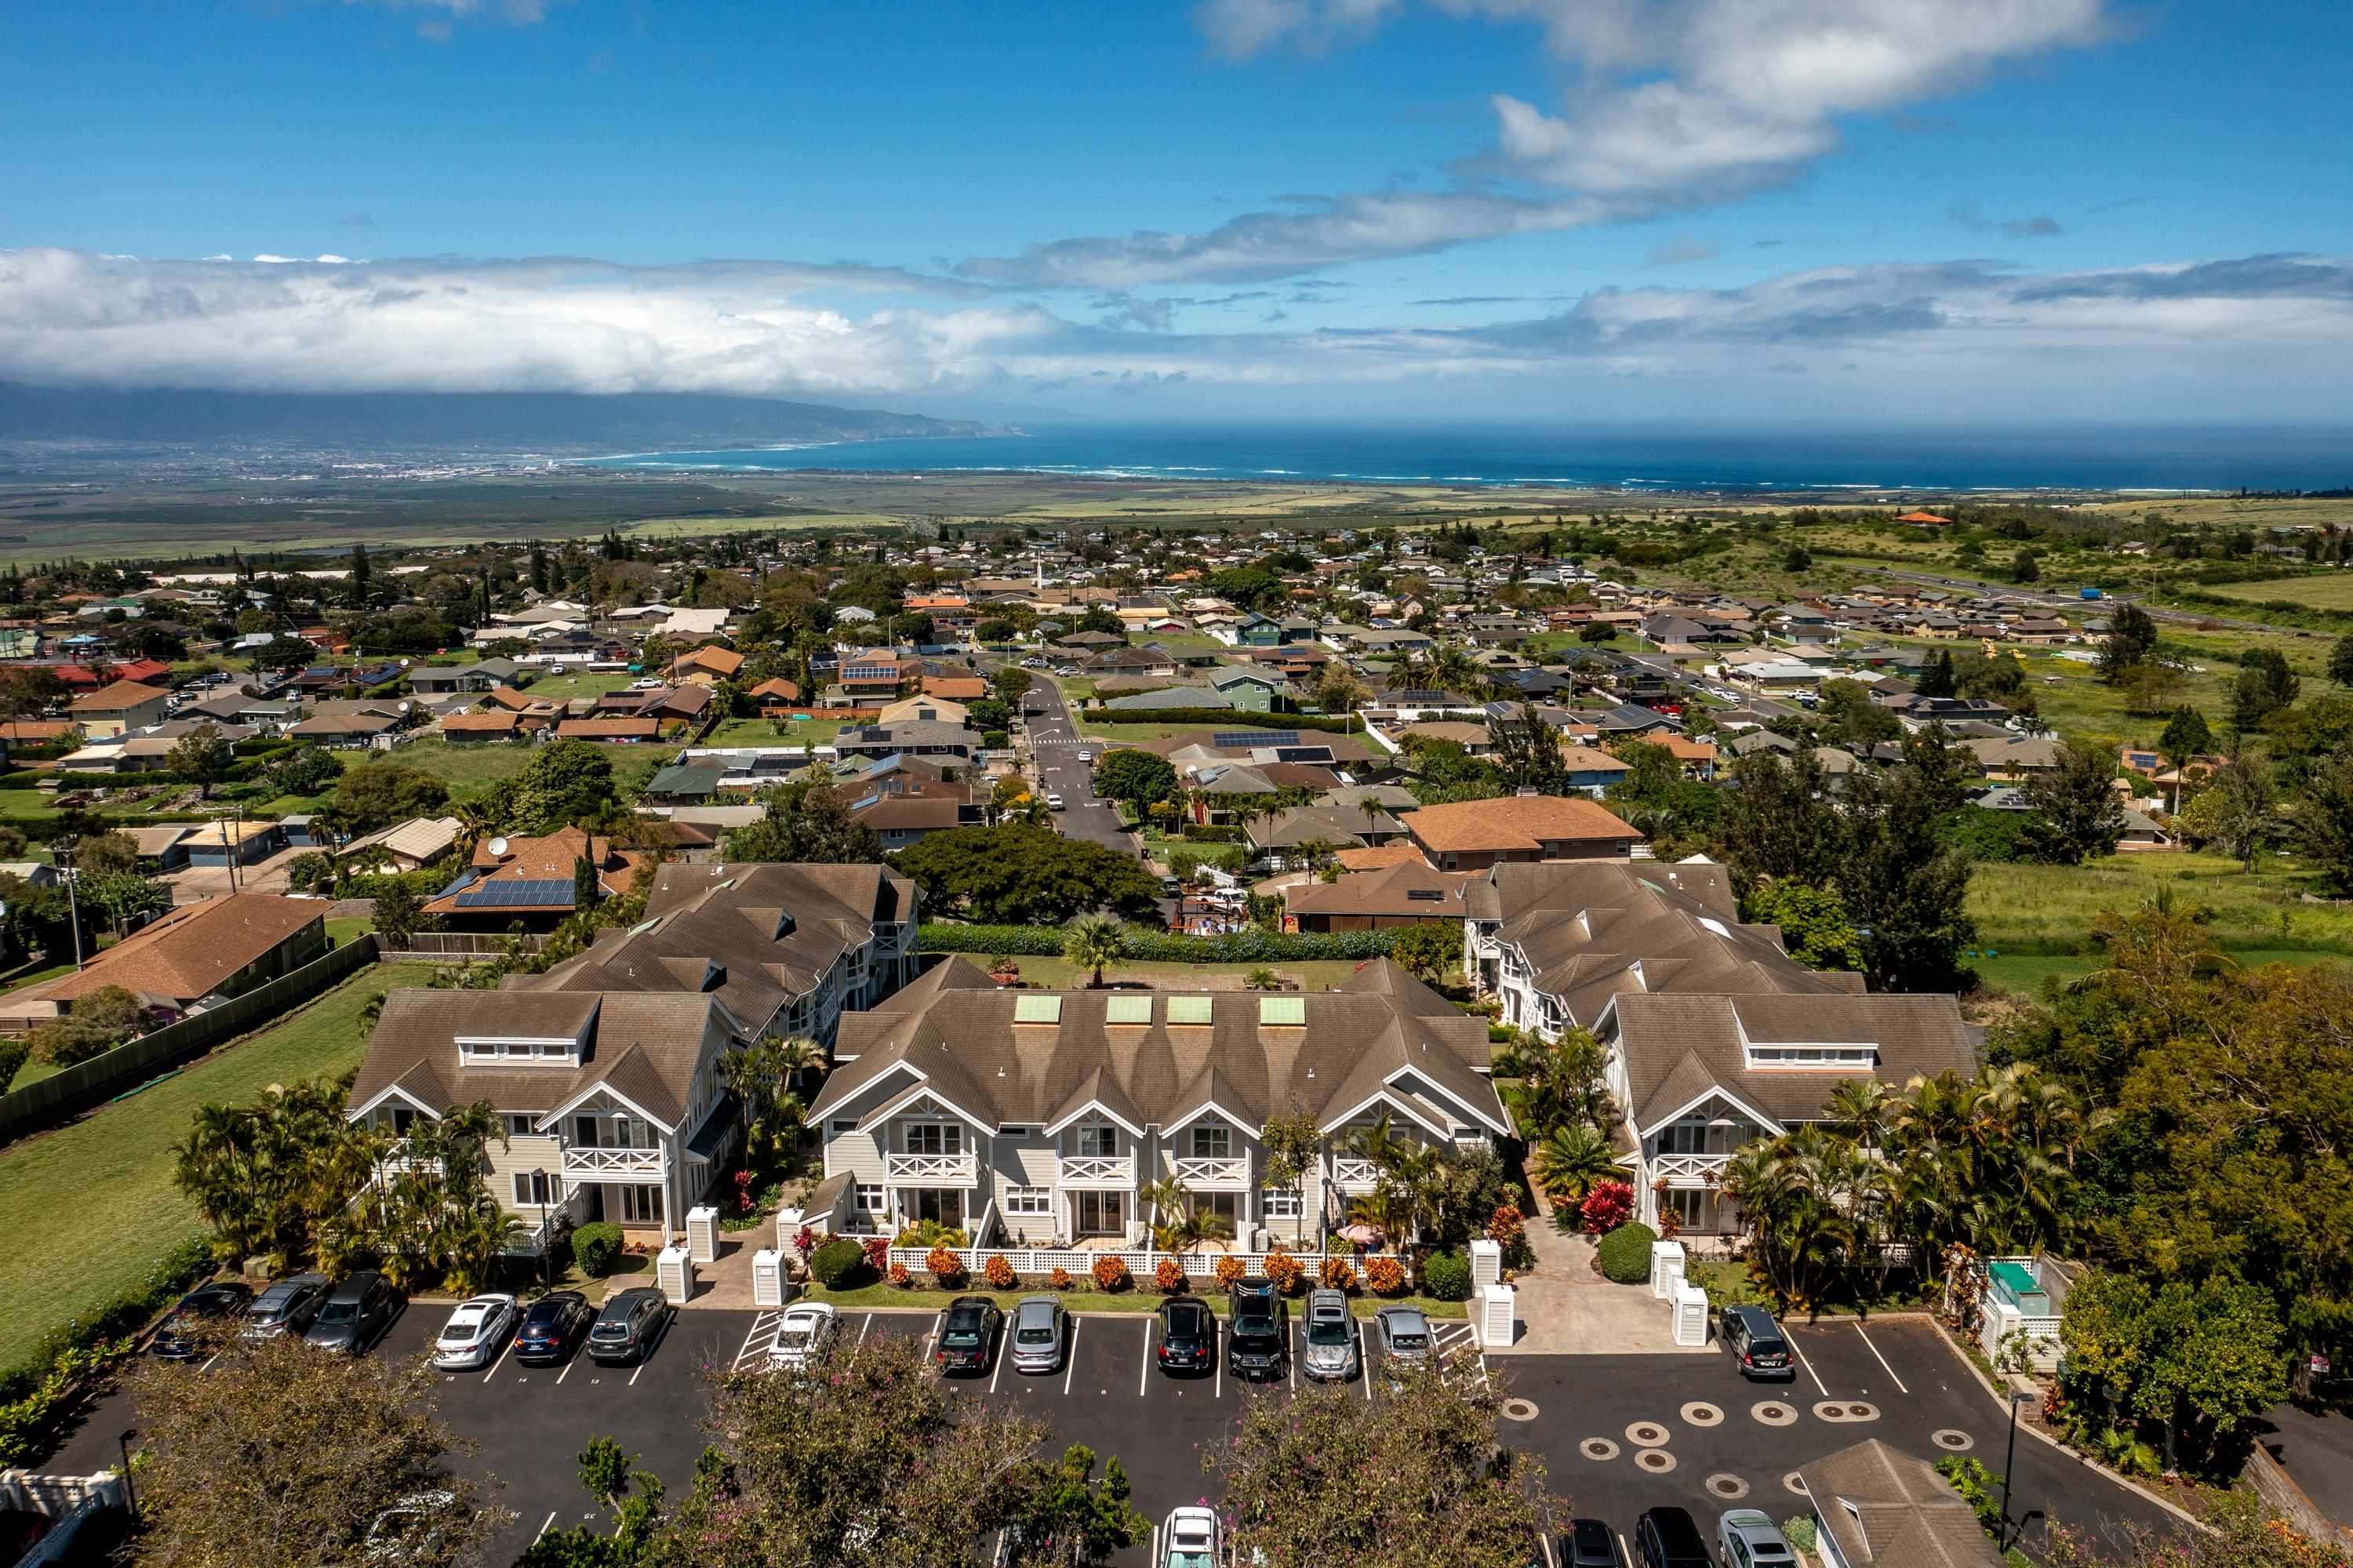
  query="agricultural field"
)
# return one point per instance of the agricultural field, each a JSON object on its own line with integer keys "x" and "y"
{"x": 111, "y": 1172}
{"x": 2023, "y": 974}
{"x": 2048, "y": 910}
{"x": 2322, "y": 590}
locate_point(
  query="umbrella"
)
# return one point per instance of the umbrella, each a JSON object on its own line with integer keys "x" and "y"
{"x": 1364, "y": 1235}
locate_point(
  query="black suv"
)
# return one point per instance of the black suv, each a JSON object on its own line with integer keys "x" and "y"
{"x": 189, "y": 1331}
{"x": 1189, "y": 1335}
{"x": 1666, "y": 1538}
{"x": 968, "y": 1335}
{"x": 1259, "y": 1343}
{"x": 1752, "y": 1336}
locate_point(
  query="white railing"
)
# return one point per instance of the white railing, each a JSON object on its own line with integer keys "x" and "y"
{"x": 1229, "y": 1171}
{"x": 1688, "y": 1167}
{"x": 1098, "y": 1170}
{"x": 921, "y": 1168}
{"x": 595, "y": 1162}
{"x": 1354, "y": 1174}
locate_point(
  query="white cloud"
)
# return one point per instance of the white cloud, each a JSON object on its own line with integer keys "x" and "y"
{"x": 1241, "y": 28}
{"x": 2264, "y": 333}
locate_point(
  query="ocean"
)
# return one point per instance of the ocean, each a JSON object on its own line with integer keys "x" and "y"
{"x": 1732, "y": 463}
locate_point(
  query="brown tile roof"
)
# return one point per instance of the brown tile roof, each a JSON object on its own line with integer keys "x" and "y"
{"x": 187, "y": 954}
{"x": 1373, "y": 859}
{"x": 34, "y": 731}
{"x": 777, "y": 686}
{"x": 645, "y": 1046}
{"x": 1408, "y": 888}
{"x": 118, "y": 697}
{"x": 1515, "y": 823}
{"x": 957, "y": 688}
{"x": 959, "y": 1032}
{"x": 549, "y": 858}
{"x": 719, "y": 661}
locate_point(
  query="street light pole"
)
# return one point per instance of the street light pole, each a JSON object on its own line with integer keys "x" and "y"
{"x": 122, "y": 1445}
{"x": 2008, "y": 1460}
{"x": 64, "y": 856}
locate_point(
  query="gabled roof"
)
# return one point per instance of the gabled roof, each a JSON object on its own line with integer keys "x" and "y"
{"x": 1888, "y": 1509}
{"x": 1516, "y": 823}
{"x": 190, "y": 952}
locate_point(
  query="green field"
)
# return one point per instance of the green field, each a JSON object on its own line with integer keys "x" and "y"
{"x": 470, "y": 771}
{"x": 776, "y": 732}
{"x": 2024, "y": 974}
{"x": 584, "y": 684}
{"x": 2049, "y": 909}
{"x": 89, "y": 1209}
{"x": 2328, "y": 591}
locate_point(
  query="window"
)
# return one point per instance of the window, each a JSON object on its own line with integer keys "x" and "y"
{"x": 935, "y": 1138}
{"x": 1813, "y": 1055}
{"x": 869, "y": 1200}
{"x": 1212, "y": 1142}
{"x": 534, "y": 1189}
{"x": 521, "y": 1124}
{"x": 1188, "y": 1010}
{"x": 842, "y": 1124}
{"x": 1036, "y": 1007}
{"x": 1098, "y": 1143}
{"x": 1683, "y": 1138}
{"x": 1034, "y": 1202}
{"x": 1282, "y": 1204}
{"x": 1128, "y": 1007}
{"x": 585, "y": 1133}
{"x": 1012, "y": 1132}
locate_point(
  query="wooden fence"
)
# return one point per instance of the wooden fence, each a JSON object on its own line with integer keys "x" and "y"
{"x": 53, "y": 1100}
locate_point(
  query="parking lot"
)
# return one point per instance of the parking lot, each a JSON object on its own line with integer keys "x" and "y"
{"x": 1617, "y": 1433}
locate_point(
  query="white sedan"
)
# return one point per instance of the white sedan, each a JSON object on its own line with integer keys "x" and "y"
{"x": 1054, "y": 802}
{"x": 474, "y": 1332}
{"x": 806, "y": 1326}
{"x": 1190, "y": 1539}
{"x": 1086, "y": 756}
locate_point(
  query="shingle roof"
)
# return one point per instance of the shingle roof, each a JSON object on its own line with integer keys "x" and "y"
{"x": 1409, "y": 887}
{"x": 959, "y": 1032}
{"x": 116, "y": 698}
{"x": 187, "y": 954}
{"x": 1905, "y": 1515}
{"x": 1516, "y": 823}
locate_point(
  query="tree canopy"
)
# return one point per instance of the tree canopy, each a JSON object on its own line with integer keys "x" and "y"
{"x": 1014, "y": 874}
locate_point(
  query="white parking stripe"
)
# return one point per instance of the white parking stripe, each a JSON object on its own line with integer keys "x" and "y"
{"x": 931, "y": 1339}
{"x": 1624, "y": 1551}
{"x": 1221, "y": 1359}
{"x": 1071, "y": 1371}
{"x": 504, "y": 1350}
{"x": 568, "y": 1366}
{"x": 545, "y": 1526}
{"x": 863, "y": 1324}
{"x": 1146, "y": 1370}
{"x": 999, "y": 1370}
{"x": 1809, "y": 1369}
{"x": 1881, "y": 1360}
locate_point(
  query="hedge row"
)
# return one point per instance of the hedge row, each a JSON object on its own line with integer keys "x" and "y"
{"x": 33, "y": 1394}
{"x": 1253, "y": 944}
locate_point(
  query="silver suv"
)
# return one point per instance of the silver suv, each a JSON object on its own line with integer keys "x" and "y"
{"x": 1331, "y": 1354}
{"x": 1405, "y": 1338}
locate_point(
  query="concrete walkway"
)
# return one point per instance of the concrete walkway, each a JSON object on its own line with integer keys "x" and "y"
{"x": 1567, "y": 1309}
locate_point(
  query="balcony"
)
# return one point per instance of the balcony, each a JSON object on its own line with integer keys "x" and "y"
{"x": 1689, "y": 1169}
{"x": 610, "y": 1164}
{"x": 1353, "y": 1175}
{"x": 1231, "y": 1172}
{"x": 931, "y": 1170}
{"x": 1098, "y": 1170}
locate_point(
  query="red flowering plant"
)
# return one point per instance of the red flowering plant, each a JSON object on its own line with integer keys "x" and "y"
{"x": 1607, "y": 1206}
{"x": 947, "y": 1267}
{"x": 1169, "y": 1276}
{"x": 744, "y": 1204}
{"x": 899, "y": 1277}
{"x": 804, "y": 1242}
{"x": 877, "y": 1250}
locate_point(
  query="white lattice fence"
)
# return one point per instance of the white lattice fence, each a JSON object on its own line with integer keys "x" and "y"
{"x": 1045, "y": 1260}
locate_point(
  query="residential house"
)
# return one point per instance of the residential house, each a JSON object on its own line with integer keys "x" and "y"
{"x": 1873, "y": 1506}
{"x": 233, "y": 842}
{"x": 484, "y": 724}
{"x": 1335, "y": 826}
{"x": 707, "y": 664}
{"x": 124, "y": 705}
{"x": 186, "y": 959}
{"x": 914, "y": 738}
{"x": 411, "y": 845}
{"x": 1473, "y": 835}
{"x": 1057, "y": 1110}
{"x": 1404, "y": 892}
{"x": 872, "y": 675}
{"x": 531, "y": 881}
{"x": 921, "y": 708}
{"x": 614, "y": 1104}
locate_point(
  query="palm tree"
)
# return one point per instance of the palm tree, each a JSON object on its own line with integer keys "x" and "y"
{"x": 1570, "y": 1160}
{"x": 1860, "y": 1110}
{"x": 1095, "y": 942}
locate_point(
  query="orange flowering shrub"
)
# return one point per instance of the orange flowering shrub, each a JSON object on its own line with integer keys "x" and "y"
{"x": 1169, "y": 1276}
{"x": 1230, "y": 1272}
{"x": 998, "y": 1273}
{"x": 946, "y": 1267}
{"x": 1111, "y": 1273}
{"x": 1384, "y": 1275}
{"x": 1337, "y": 1275}
{"x": 1059, "y": 1279}
{"x": 899, "y": 1275}
{"x": 1286, "y": 1271}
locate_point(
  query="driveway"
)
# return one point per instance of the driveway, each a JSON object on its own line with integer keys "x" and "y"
{"x": 212, "y": 881}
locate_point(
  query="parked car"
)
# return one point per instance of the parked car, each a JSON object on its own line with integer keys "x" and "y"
{"x": 288, "y": 1307}
{"x": 1587, "y": 1544}
{"x": 1258, "y": 1344}
{"x": 1405, "y": 1336}
{"x": 1666, "y": 1538}
{"x": 806, "y": 1328}
{"x": 1331, "y": 1338}
{"x": 188, "y": 1331}
{"x": 1747, "y": 1538}
{"x": 475, "y": 1332}
{"x": 355, "y": 1315}
{"x": 1191, "y": 1537}
{"x": 1187, "y": 1337}
{"x": 1757, "y": 1343}
{"x": 1040, "y": 1330}
{"x": 969, "y": 1337}
{"x": 551, "y": 1327}
{"x": 626, "y": 1330}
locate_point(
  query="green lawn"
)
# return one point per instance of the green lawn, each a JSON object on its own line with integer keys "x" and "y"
{"x": 583, "y": 685}
{"x": 89, "y": 1209}
{"x": 776, "y": 732}
{"x": 1134, "y": 734}
{"x": 926, "y": 1297}
{"x": 470, "y": 771}
{"x": 2023, "y": 974}
{"x": 1061, "y": 974}
{"x": 2049, "y": 909}
{"x": 2327, "y": 590}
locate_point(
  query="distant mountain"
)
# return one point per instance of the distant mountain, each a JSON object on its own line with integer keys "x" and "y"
{"x": 564, "y": 423}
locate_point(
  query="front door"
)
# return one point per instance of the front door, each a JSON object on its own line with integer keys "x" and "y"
{"x": 640, "y": 1204}
{"x": 1099, "y": 1213}
{"x": 943, "y": 1204}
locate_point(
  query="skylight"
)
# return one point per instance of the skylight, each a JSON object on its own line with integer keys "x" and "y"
{"x": 1038, "y": 1008}
{"x": 1188, "y": 1010}
{"x": 1128, "y": 1009}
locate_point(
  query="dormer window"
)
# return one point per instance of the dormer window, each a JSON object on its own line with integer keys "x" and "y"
{"x": 1829, "y": 1058}
{"x": 485, "y": 1050}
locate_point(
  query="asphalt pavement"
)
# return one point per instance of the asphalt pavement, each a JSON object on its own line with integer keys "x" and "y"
{"x": 1617, "y": 1435}
{"x": 1054, "y": 746}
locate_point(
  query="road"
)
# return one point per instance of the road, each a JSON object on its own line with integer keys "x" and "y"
{"x": 2077, "y": 602}
{"x": 1055, "y": 744}
{"x": 1617, "y": 1434}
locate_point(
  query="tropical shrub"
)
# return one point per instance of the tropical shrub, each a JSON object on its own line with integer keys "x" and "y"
{"x": 1169, "y": 1276}
{"x": 836, "y": 1264}
{"x": 1508, "y": 1229}
{"x": 930, "y": 1233}
{"x": 899, "y": 1277}
{"x": 1111, "y": 1273}
{"x": 1446, "y": 1276}
{"x": 1337, "y": 1275}
{"x": 947, "y": 1267}
{"x": 804, "y": 1242}
{"x": 1059, "y": 1279}
{"x": 596, "y": 1249}
{"x": 998, "y": 1272}
{"x": 1230, "y": 1272}
{"x": 1286, "y": 1271}
{"x": 877, "y": 1254}
{"x": 1610, "y": 1205}
{"x": 1625, "y": 1254}
{"x": 1385, "y": 1275}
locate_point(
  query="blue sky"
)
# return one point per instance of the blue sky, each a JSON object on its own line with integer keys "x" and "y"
{"x": 1930, "y": 209}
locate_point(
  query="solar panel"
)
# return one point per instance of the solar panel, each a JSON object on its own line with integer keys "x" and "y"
{"x": 1244, "y": 739}
{"x": 508, "y": 893}
{"x": 1302, "y": 754}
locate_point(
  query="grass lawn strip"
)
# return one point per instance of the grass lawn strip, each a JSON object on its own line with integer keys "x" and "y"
{"x": 88, "y": 1209}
